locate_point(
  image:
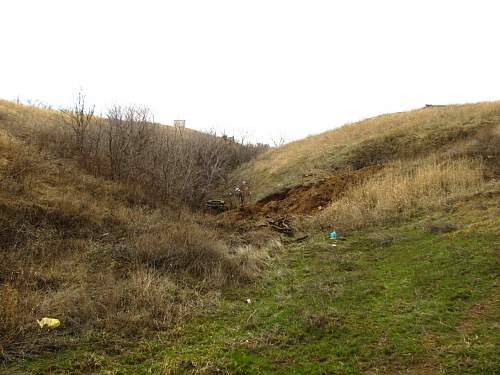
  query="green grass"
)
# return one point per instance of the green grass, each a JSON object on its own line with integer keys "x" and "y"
{"x": 418, "y": 303}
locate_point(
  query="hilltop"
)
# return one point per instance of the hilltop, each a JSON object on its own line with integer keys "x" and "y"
{"x": 454, "y": 130}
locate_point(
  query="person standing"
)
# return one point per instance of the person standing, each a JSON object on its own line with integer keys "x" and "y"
{"x": 242, "y": 193}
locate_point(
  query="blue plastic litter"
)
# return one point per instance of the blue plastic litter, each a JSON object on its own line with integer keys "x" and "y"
{"x": 333, "y": 235}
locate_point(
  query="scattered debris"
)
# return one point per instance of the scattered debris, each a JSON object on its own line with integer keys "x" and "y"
{"x": 49, "y": 322}
{"x": 249, "y": 301}
{"x": 301, "y": 238}
{"x": 282, "y": 225}
{"x": 216, "y": 204}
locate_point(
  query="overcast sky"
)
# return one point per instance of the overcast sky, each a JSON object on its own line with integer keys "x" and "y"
{"x": 261, "y": 68}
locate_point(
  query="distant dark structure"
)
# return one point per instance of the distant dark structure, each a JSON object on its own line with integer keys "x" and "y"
{"x": 434, "y": 105}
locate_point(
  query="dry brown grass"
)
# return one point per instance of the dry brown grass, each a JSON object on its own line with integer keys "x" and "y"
{"x": 94, "y": 254}
{"x": 85, "y": 250}
{"x": 400, "y": 191}
{"x": 380, "y": 139}
{"x": 157, "y": 162}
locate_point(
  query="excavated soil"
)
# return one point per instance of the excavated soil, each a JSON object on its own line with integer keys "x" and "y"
{"x": 301, "y": 200}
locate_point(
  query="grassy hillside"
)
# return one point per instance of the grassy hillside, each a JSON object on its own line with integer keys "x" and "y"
{"x": 93, "y": 251}
{"x": 453, "y": 130}
{"x": 168, "y": 164}
{"x": 145, "y": 286}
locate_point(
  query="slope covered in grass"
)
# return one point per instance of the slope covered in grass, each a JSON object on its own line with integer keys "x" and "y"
{"x": 398, "y": 299}
{"x": 96, "y": 253}
{"x": 453, "y": 130}
{"x": 411, "y": 286}
{"x": 168, "y": 164}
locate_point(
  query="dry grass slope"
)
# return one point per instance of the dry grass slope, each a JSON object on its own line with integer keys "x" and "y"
{"x": 88, "y": 251}
{"x": 470, "y": 130}
{"x": 401, "y": 191}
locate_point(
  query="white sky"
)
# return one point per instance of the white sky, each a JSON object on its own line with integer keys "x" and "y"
{"x": 262, "y": 68}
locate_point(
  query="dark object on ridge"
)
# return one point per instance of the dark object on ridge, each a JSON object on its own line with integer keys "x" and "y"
{"x": 434, "y": 105}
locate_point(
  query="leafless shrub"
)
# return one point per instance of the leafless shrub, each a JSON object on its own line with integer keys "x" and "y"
{"x": 170, "y": 164}
{"x": 79, "y": 119}
{"x": 88, "y": 250}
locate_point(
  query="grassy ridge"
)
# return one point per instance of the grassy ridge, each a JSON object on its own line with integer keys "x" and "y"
{"x": 449, "y": 130}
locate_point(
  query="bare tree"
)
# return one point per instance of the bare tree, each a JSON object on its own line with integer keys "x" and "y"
{"x": 279, "y": 142}
{"x": 79, "y": 118}
{"x": 172, "y": 164}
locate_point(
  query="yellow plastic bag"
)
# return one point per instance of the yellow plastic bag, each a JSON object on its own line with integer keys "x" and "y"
{"x": 49, "y": 322}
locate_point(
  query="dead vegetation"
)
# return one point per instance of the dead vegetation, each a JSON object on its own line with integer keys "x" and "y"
{"x": 401, "y": 191}
{"x": 92, "y": 250}
{"x": 95, "y": 229}
{"x": 470, "y": 130}
{"x": 166, "y": 164}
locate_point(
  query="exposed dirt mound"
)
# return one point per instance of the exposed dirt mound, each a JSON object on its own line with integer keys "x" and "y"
{"x": 301, "y": 200}
{"x": 305, "y": 199}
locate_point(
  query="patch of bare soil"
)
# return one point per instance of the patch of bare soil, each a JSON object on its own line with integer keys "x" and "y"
{"x": 300, "y": 200}
{"x": 486, "y": 308}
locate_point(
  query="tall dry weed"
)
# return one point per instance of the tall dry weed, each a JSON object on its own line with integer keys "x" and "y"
{"x": 81, "y": 249}
{"x": 377, "y": 140}
{"x": 8, "y": 307}
{"x": 400, "y": 192}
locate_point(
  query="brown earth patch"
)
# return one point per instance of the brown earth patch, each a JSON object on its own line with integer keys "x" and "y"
{"x": 301, "y": 200}
{"x": 487, "y": 308}
{"x": 305, "y": 199}
{"x": 295, "y": 201}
